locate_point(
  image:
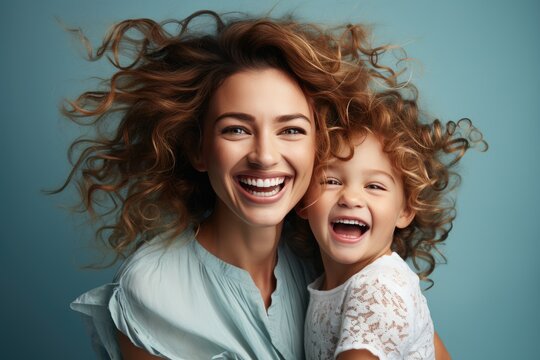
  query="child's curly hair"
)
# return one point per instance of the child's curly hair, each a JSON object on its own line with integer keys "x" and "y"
{"x": 424, "y": 156}
{"x": 136, "y": 169}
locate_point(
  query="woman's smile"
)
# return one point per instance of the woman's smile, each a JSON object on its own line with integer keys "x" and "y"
{"x": 262, "y": 189}
{"x": 258, "y": 146}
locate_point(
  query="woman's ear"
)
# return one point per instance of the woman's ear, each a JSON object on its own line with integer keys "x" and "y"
{"x": 198, "y": 161}
{"x": 405, "y": 218}
{"x": 197, "y": 158}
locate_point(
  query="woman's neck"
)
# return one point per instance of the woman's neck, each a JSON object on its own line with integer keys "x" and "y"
{"x": 251, "y": 248}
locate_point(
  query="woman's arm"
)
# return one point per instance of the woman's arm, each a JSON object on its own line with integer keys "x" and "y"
{"x": 440, "y": 350}
{"x": 130, "y": 351}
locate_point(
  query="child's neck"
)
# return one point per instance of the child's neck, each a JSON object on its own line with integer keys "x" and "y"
{"x": 253, "y": 249}
{"x": 336, "y": 273}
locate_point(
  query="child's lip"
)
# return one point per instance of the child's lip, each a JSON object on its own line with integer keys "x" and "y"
{"x": 349, "y": 238}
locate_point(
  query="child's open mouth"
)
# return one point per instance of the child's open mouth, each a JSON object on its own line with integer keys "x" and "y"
{"x": 350, "y": 228}
{"x": 262, "y": 187}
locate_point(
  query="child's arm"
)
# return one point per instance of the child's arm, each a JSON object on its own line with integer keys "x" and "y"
{"x": 356, "y": 355}
{"x": 130, "y": 351}
{"x": 440, "y": 350}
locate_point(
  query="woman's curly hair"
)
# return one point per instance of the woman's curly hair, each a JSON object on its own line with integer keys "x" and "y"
{"x": 135, "y": 170}
{"x": 424, "y": 155}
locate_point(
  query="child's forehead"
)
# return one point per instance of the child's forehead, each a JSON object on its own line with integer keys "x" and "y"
{"x": 354, "y": 144}
{"x": 364, "y": 150}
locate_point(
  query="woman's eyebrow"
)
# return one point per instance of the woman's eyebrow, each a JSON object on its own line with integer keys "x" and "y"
{"x": 289, "y": 117}
{"x": 235, "y": 115}
{"x": 250, "y": 118}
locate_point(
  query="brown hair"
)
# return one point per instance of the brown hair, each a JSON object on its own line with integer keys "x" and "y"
{"x": 136, "y": 168}
{"x": 424, "y": 154}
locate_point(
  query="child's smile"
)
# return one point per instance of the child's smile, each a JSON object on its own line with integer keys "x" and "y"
{"x": 349, "y": 230}
{"x": 354, "y": 210}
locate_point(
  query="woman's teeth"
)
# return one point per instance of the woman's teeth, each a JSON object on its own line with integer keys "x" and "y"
{"x": 262, "y": 187}
{"x": 262, "y": 183}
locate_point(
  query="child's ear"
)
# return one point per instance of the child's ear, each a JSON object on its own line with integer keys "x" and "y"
{"x": 405, "y": 218}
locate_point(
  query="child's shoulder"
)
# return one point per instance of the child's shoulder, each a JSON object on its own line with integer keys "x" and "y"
{"x": 388, "y": 274}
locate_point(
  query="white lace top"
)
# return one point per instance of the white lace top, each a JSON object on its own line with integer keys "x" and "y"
{"x": 380, "y": 309}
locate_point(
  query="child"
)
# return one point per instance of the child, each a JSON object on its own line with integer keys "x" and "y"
{"x": 205, "y": 140}
{"x": 380, "y": 201}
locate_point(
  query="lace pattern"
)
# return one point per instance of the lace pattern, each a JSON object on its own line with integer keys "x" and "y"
{"x": 380, "y": 309}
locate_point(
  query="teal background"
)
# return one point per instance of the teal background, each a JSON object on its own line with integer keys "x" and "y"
{"x": 477, "y": 59}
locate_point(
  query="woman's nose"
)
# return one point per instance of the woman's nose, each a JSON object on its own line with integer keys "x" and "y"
{"x": 264, "y": 153}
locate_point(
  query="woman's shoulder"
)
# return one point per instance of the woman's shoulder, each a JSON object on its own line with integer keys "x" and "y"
{"x": 155, "y": 261}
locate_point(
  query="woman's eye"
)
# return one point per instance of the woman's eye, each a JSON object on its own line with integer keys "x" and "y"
{"x": 294, "y": 131}
{"x": 234, "y": 130}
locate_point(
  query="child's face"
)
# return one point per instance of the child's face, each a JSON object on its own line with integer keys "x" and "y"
{"x": 258, "y": 146}
{"x": 356, "y": 206}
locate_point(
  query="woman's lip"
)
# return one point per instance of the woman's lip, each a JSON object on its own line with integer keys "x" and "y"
{"x": 269, "y": 197}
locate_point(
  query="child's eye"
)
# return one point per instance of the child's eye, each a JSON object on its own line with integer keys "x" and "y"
{"x": 375, "y": 187}
{"x": 330, "y": 181}
{"x": 294, "y": 131}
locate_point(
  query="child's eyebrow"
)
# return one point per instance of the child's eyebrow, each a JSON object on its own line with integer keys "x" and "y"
{"x": 381, "y": 172}
{"x": 338, "y": 165}
{"x": 250, "y": 118}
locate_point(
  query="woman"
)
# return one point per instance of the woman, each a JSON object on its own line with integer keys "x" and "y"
{"x": 215, "y": 143}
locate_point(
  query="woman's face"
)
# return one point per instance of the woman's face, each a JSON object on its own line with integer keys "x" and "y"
{"x": 258, "y": 146}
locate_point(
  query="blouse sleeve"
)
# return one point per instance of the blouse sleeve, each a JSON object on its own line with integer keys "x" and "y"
{"x": 105, "y": 311}
{"x": 377, "y": 316}
{"x": 93, "y": 306}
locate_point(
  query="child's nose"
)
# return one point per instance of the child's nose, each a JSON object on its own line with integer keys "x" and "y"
{"x": 351, "y": 198}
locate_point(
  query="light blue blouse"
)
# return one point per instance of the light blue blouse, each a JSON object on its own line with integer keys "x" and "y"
{"x": 177, "y": 300}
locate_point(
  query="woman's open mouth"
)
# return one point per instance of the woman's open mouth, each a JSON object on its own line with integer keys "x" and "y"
{"x": 262, "y": 187}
